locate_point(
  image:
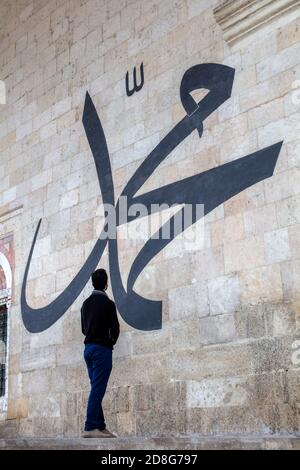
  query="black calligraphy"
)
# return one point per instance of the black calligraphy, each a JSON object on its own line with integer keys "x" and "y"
{"x": 136, "y": 87}
{"x": 210, "y": 188}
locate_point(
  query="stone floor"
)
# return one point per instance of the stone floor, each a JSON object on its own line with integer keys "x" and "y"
{"x": 250, "y": 442}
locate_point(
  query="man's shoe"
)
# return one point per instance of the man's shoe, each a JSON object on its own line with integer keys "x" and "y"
{"x": 98, "y": 433}
{"x": 108, "y": 433}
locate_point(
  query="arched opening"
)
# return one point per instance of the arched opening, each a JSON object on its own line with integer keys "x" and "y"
{"x": 5, "y": 298}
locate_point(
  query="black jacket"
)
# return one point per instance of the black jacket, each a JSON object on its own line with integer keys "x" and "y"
{"x": 99, "y": 321}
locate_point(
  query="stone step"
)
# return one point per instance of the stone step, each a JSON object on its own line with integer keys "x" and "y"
{"x": 196, "y": 442}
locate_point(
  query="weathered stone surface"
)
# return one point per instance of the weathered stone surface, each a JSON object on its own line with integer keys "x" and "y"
{"x": 46, "y": 407}
{"x": 217, "y": 329}
{"x": 231, "y": 442}
{"x": 277, "y": 246}
{"x": 190, "y": 300}
{"x": 227, "y": 356}
{"x": 224, "y": 294}
{"x": 214, "y": 393}
{"x": 150, "y": 342}
{"x": 38, "y": 358}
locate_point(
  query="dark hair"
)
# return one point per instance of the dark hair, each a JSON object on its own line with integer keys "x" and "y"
{"x": 99, "y": 279}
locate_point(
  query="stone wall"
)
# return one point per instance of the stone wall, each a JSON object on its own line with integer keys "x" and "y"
{"x": 226, "y": 359}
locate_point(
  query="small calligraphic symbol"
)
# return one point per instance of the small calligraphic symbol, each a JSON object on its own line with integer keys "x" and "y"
{"x": 136, "y": 87}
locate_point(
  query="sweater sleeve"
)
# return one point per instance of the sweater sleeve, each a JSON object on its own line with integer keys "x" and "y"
{"x": 115, "y": 326}
{"x": 82, "y": 323}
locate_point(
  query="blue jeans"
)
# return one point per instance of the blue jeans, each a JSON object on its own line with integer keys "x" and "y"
{"x": 99, "y": 364}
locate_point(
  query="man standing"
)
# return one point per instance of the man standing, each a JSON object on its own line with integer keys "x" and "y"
{"x": 100, "y": 325}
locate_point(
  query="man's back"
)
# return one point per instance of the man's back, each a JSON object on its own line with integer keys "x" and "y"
{"x": 100, "y": 325}
{"x": 99, "y": 321}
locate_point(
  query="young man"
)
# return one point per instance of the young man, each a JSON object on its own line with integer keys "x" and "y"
{"x": 100, "y": 325}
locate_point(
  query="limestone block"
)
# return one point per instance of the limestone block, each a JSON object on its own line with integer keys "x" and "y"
{"x": 188, "y": 300}
{"x": 44, "y": 285}
{"x": 261, "y": 284}
{"x": 196, "y": 8}
{"x": 294, "y": 237}
{"x": 69, "y": 199}
{"x": 84, "y": 210}
{"x": 267, "y": 91}
{"x": 184, "y": 334}
{"x": 129, "y": 14}
{"x": 122, "y": 399}
{"x": 47, "y": 406}
{"x": 250, "y": 321}
{"x": 48, "y": 130}
{"x": 290, "y": 280}
{"x": 150, "y": 342}
{"x": 213, "y": 393}
{"x": 277, "y": 246}
{"x": 124, "y": 345}
{"x": 17, "y": 409}
{"x": 244, "y": 253}
{"x": 47, "y": 426}
{"x": 284, "y": 129}
{"x": 42, "y": 247}
{"x": 231, "y": 128}
{"x": 140, "y": 369}
{"x": 9, "y": 195}
{"x": 134, "y": 134}
{"x": 24, "y": 130}
{"x": 153, "y": 424}
{"x": 53, "y": 335}
{"x": 288, "y": 35}
{"x": 224, "y": 294}
{"x": 38, "y": 358}
{"x": 76, "y": 377}
{"x": 15, "y": 385}
{"x": 217, "y": 329}
{"x": 244, "y": 79}
{"x": 72, "y": 325}
{"x": 61, "y": 107}
{"x": 126, "y": 424}
{"x": 143, "y": 397}
{"x": 169, "y": 395}
{"x": 280, "y": 320}
{"x": 213, "y": 261}
{"x": 230, "y": 108}
{"x": 282, "y": 185}
{"x": 41, "y": 179}
{"x": 288, "y": 211}
{"x": 222, "y": 230}
{"x": 216, "y": 420}
{"x": 272, "y": 354}
{"x": 278, "y": 63}
{"x": 36, "y": 382}
{"x": 69, "y": 353}
{"x": 249, "y": 199}
{"x": 293, "y": 379}
{"x": 111, "y": 26}
{"x": 174, "y": 272}
{"x": 260, "y": 220}
{"x": 265, "y": 114}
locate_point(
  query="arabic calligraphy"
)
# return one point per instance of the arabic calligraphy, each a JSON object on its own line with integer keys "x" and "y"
{"x": 210, "y": 188}
{"x": 136, "y": 87}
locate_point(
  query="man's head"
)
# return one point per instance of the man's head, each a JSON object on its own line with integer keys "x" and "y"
{"x": 99, "y": 279}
